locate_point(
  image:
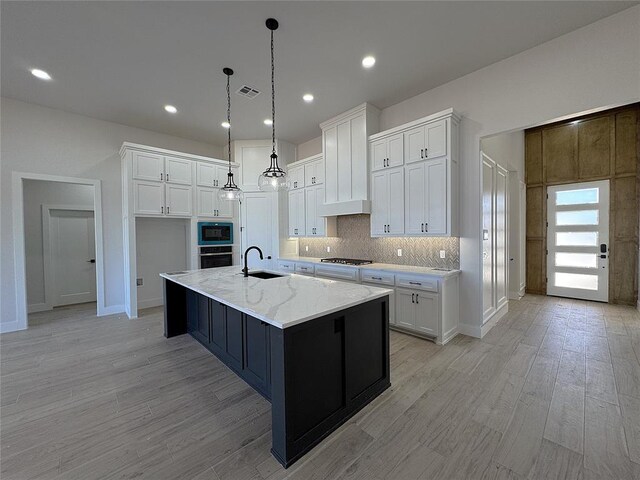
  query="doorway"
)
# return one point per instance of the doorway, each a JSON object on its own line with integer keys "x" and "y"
{"x": 70, "y": 264}
{"x": 578, "y": 240}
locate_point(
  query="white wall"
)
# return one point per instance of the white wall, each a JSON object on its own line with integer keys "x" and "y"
{"x": 162, "y": 245}
{"x": 36, "y": 139}
{"x": 595, "y": 67}
{"x": 310, "y": 148}
{"x": 36, "y": 194}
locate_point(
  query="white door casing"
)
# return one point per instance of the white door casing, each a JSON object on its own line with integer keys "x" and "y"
{"x": 578, "y": 240}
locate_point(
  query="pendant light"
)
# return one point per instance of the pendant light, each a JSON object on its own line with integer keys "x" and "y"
{"x": 230, "y": 191}
{"x": 273, "y": 178}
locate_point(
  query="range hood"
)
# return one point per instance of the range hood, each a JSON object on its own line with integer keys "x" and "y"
{"x": 349, "y": 207}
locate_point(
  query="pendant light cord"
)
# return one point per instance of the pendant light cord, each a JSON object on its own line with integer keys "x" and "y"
{"x": 229, "y": 122}
{"x": 273, "y": 99}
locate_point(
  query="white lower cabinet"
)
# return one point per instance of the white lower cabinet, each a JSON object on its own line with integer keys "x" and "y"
{"x": 419, "y": 311}
{"x": 422, "y": 304}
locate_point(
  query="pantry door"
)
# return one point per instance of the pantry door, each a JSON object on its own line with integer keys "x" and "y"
{"x": 578, "y": 240}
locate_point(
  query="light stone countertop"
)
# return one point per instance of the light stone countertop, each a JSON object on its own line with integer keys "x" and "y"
{"x": 281, "y": 302}
{"x": 410, "y": 269}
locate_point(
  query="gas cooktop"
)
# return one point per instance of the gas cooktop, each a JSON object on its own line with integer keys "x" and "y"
{"x": 346, "y": 261}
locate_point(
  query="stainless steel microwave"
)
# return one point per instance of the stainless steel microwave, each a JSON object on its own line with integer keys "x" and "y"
{"x": 215, "y": 233}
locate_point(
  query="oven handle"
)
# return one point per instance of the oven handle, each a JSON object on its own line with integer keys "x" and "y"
{"x": 214, "y": 254}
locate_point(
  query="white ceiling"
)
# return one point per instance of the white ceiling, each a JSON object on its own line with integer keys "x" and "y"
{"x": 122, "y": 61}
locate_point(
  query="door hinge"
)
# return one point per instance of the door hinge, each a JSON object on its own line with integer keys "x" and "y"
{"x": 547, "y": 223}
{"x": 546, "y": 280}
{"x": 546, "y": 252}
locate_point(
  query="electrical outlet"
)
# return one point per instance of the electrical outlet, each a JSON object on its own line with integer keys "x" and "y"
{"x": 399, "y": 252}
{"x": 306, "y": 248}
{"x": 328, "y": 249}
{"x": 139, "y": 282}
{"x": 443, "y": 254}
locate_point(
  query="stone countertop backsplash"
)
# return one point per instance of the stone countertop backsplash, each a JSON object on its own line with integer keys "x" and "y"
{"x": 354, "y": 241}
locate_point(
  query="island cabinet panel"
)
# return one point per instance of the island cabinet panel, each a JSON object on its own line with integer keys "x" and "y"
{"x": 323, "y": 372}
{"x": 218, "y": 327}
{"x": 257, "y": 353}
{"x": 198, "y": 316}
{"x": 234, "y": 338}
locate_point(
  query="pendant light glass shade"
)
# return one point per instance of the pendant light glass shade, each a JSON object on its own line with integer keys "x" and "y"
{"x": 230, "y": 191}
{"x": 273, "y": 178}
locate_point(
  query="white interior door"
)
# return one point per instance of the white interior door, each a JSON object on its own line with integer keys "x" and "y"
{"x": 578, "y": 240}
{"x": 73, "y": 254}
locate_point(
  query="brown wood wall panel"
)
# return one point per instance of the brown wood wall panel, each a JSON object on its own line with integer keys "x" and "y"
{"x": 535, "y": 211}
{"x": 601, "y": 146}
{"x": 533, "y": 156}
{"x": 594, "y": 147}
{"x": 536, "y": 268}
{"x": 623, "y": 278}
{"x": 624, "y": 208}
{"x": 560, "y": 153}
{"x": 626, "y": 138}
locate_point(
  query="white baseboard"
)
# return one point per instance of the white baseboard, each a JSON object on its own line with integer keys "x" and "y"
{"x": 38, "y": 307}
{"x": 449, "y": 335}
{"x": 153, "y": 302}
{"x": 110, "y": 310}
{"x": 6, "y": 327}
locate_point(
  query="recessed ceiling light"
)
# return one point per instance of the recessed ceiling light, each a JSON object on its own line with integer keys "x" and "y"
{"x": 307, "y": 97}
{"x": 268, "y": 121}
{"x": 41, "y": 74}
{"x": 171, "y": 109}
{"x": 368, "y": 62}
{"x": 226, "y": 125}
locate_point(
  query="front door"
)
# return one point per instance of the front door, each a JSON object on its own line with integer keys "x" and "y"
{"x": 578, "y": 240}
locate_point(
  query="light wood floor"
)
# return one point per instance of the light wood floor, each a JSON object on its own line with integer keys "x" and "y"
{"x": 553, "y": 391}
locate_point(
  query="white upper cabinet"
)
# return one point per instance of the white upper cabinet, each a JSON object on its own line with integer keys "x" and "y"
{"x": 296, "y": 177}
{"x": 148, "y": 166}
{"x": 210, "y": 175}
{"x": 178, "y": 171}
{"x": 315, "y": 224}
{"x": 148, "y": 198}
{"x": 427, "y": 200}
{"x": 346, "y": 165}
{"x": 178, "y": 200}
{"x": 387, "y": 210}
{"x": 209, "y": 205}
{"x": 314, "y": 173}
{"x": 297, "y": 221}
{"x": 387, "y": 152}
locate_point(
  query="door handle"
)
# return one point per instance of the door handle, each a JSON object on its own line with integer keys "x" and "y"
{"x": 93, "y": 260}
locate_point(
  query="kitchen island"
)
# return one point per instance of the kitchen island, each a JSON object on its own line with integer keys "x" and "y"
{"x": 317, "y": 349}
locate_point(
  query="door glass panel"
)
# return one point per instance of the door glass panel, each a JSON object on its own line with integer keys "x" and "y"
{"x": 576, "y": 280}
{"x": 577, "y": 217}
{"x": 577, "y": 239}
{"x": 575, "y": 197}
{"x": 579, "y": 260}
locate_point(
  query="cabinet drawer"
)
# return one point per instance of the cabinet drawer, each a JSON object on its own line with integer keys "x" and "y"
{"x": 304, "y": 268}
{"x": 374, "y": 276}
{"x": 417, "y": 283}
{"x": 287, "y": 266}
{"x": 337, "y": 273}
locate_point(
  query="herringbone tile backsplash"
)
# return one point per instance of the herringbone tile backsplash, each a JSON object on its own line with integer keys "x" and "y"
{"x": 354, "y": 241}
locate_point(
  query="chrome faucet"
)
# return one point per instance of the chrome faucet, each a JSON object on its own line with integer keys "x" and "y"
{"x": 245, "y": 270}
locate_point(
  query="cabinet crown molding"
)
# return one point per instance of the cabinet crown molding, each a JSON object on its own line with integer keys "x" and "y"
{"x": 365, "y": 107}
{"x": 128, "y": 146}
{"x": 448, "y": 113}
{"x": 304, "y": 161}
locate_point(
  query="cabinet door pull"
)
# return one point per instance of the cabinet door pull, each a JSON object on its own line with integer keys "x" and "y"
{"x": 415, "y": 283}
{"x": 417, "y": 297}
{"x": 167, "y": 209}
{"x": 412, "y": 298}
{"x": 422, "y": 227}
{"x": 426, "y": 227}
{"x": 422, "y": 153}
{"x": 167, "y": 177}
{"x": 161, "y": 209}
{"x": 161, "y": 176}
{"x": 426, "y": 153}
{"x": 377, "y": 278}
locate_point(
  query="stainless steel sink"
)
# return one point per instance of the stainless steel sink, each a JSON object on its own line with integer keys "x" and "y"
{"x": 265, "y": 275}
